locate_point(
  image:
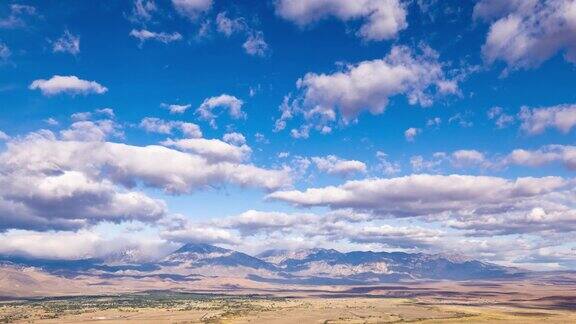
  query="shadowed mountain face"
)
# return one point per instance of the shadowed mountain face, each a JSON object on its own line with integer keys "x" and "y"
{"x": 312, "y": 266}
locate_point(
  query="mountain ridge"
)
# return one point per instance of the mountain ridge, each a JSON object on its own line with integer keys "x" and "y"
{"x": 309, "y": 266}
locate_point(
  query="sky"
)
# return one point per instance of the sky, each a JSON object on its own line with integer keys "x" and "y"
{"x": 386, "y": 125}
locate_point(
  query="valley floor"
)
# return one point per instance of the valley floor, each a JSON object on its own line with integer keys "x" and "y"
{"x": 174, "y": 307}
{"x": 28, "y": 295}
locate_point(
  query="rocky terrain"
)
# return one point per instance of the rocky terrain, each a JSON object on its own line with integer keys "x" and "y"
{"x": 193, "y": 262}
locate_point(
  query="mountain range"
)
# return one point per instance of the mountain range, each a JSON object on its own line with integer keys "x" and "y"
{"x": 307, "y": 266}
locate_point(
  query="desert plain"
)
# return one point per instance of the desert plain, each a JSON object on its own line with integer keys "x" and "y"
{"x": 549, "y": 298}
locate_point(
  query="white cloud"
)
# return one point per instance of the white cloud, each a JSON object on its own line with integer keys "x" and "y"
{"x": 80, "y": 244}
{"x": 502, "y": 120}
{"x": 212, "y": 149}
{"x": 462, "y": 119}
{"x": 381, "y": 19}
{"x": 233, "y": 104}
{"x": 234, "y": 138}
{"x": 550, "y": 219}
{"x": 67, "y": 199}
{"x": 143, "y": 10}
{"x": 403, "y": 237}
{"x": 252, "y": 221}
{"x": 545, "y": 155}
{"x": 229, "y": 26}
{"x": 385, "y": 166}
{"x": 108, "y": 112}
{"x": 468, "y": 158}
{"x": 434, "y": 122}
{"x": 201, "y": 235}
{"x": 303, "y": 132}
{"x": 80, "y": 116}
{"x": 250, "y": 228}
{"x": 255, "y": 44}
{"x": 42, "y": 156}
{"x": 334, "y": 165}
{"x": 411, "y": 133}
{"x": 366, "y": 86}
{"x": 420, "y": 164}
{"x": 4, "y": 136}
{"x": 160, "y": 126}
{"x": 91, "y": 131}
{"x": 192, "y": 9}
{"x": 424, "y": 194}
{"x": 68, "y": 43}
{"x": 176, "y": 109}
{"x": 67, "y": 84}
{"x": 536, "y": 120}
{"x": 51, "y": 121}
{"x": 143, "y": 35}
{"x": 523, "y": 34}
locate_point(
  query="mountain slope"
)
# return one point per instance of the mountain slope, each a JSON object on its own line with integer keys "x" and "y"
{"x": 313, "y": 266}
{"x": 381, "y": 266}
{"x": 196, "y": 255}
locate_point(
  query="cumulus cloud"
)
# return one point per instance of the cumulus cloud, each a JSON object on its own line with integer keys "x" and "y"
{"x": 547, "y": 154}
{"x": 234, "y": 138}
{"x": 48, "y": 183}
{"x": 91, "y": 131}
{"x": 82, "y": 244}
{"x": 252, "y": 227}
{"x": 332, "y": 164}
{"x": 212, "y": 149}
{"x": 468, "y": 158}
{"x": 144, "y": 35}
{"x": 424, "y": 194}
{"x": 69, "y": 200}
{"x": 192, "y": 9}
{"x": 67, "y": 43}
{"x": 79, "y": 183}
{"x": 550, "y": 219}
{"x": 380, "y": 19}
{"x": 402, "y": 237}
{"x": 231, "y": 103}
{"x": 536, "y": 120}
{"x": 178, "y": 228}
{"x": 563, "y": 154}
{"x": 176, "y": 109}
{"x": 160, "y": 126}
{"x": 367, "y": 86}
{"x": 523, "y": 34}
{"x": 411, "y": 133}
{"x": 252, "y": 221}
{"x": 67, "y": 84}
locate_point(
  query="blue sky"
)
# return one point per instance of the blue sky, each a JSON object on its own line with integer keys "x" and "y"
{"x": 408, "y": 125}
